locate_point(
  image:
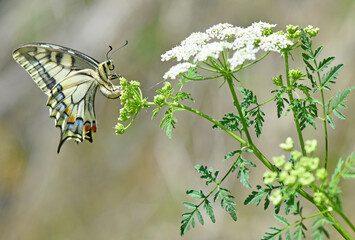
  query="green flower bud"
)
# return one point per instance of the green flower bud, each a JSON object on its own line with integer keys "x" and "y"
{"x": 313, "y": 164}
{"x": 306, "y": 179}
{"x": 283, "y": 175}
{"x": 297, "y": 34}
{"x": 269, "y": 177}
{"x": 312, "y": 32}
{"x": 295, "y": 74}
{"x": 290, "y": 29}
{"x": 267, "y": 31}
{"x": 135, "y": 84}
{"x": 304, "y": 162}
{"x": 288, "y": 146}
{"x": 298, "y": 171}
{"x": 278, "y": 81}
{"x": 276, "y": 197}
{"x": 322, "y": 174}
{"x": 124, "y": 114}
{"x": 167, "y": 87}
{"x": 123, "y": 82}
{"x": 279, "y": 161}
{"x": 290, "y": 180}
{"x": 123, "y": 98}
{"x": 318, "y": 198}
{"x": 159, "y": 99}
{"x": 120, "y": 129}
{"x": 310, "y": 146}
{"x": 296, "y": 155}
{"x": 288, "y": 166}
{"x": 293, "y": 31}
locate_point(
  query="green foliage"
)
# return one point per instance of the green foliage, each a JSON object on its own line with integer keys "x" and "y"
{"x": 280, "y": 99}
{"x": 226, "y": 200}
{"x": 256, "y": 196}
{"x": 306, "y": 110}
{"x": 167, "y": 94}
{"x": 345, "y": 169}
{"x": 319, "y": 230}
{"x": 168, "y": 121}
{"x": 254, "y": 116}
{"x": 232, "y": 122}
{"x": 207, "y": 174}
{"x": 299, "y": 92}
{"x": 336, "y": 102}
{"x": 243, "y": 172}
{"x": 298, "y": 226}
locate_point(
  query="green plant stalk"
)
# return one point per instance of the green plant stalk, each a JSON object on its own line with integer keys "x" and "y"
{"x": 334, "y": 206}
{"x": 304, "y": 218}
{"x": 250, "y": 144}
{"x": 290, "y": 96}
{"x": 337, "y": 225}
{"x": 324, "y": 118}
{"x": 214, "y": 121}
{"x": 178, "y": 105}
{"x": 252, "y": 63}
{"x": 342, "y": 231}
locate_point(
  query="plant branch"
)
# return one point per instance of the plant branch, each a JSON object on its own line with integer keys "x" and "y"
{"x": 294, "y": 111}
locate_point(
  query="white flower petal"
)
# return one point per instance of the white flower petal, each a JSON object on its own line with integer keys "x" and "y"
{"x": 177, "y": 69}
{"x": 243, "y": 44}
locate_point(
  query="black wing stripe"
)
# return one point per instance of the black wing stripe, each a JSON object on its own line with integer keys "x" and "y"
{"x": 39, "y": 70}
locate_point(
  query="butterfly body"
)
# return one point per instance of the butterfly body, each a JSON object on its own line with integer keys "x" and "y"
{"x": 70, "y": 80}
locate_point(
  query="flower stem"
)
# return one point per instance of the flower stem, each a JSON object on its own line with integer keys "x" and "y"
{"x": 294, "y": 111}
{"x": 250, "y": 145}
{"x": 214, "y": 121}
{"x": 324, "y": 118}
{"x": 259, "y": 155}
{"x": 252, "y": 63}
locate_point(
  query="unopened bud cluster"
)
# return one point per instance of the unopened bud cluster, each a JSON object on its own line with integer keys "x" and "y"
{"x": 132, "y": 102}
{"x": 300, "y": 171}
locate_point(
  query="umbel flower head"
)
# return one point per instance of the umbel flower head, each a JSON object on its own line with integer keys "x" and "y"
{"x": 242, "y": 44}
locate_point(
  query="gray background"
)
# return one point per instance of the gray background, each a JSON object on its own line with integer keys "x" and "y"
{"x": 133, "y": 186}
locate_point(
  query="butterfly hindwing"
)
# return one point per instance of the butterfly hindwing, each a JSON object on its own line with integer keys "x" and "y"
{"x": 71, "y": 104}
{"x": 68, "y": 78}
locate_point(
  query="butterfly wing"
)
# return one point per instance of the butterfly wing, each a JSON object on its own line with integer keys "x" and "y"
{"x": 48, "y": 63}
{"x": 68, "y": 78}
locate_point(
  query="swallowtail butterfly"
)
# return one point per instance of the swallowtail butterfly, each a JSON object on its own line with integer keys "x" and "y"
{"x": 70, "y": 79}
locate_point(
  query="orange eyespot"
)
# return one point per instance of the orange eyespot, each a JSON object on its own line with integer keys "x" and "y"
{"x": 71, "y": 119}
{"x": 87, "y": 127}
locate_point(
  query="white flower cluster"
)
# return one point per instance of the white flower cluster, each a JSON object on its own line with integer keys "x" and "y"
{"x": 177, "y": 69}
{"x": 244, "y": 42}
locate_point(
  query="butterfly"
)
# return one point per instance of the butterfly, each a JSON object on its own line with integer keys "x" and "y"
{"x": 70, "y": 80}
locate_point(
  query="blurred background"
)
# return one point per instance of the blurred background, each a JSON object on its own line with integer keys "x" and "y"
{"x": 132, "y": 186}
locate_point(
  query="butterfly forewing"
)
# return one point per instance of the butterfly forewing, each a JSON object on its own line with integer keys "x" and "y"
{"x": 68, "y": 78}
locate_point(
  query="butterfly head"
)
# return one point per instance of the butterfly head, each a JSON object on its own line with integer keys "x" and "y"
{"x": 109, "y": 65}
{"x": 106, "y": 70}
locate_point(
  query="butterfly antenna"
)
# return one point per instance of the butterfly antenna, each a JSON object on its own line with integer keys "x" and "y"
{"x": 107, "y": 55}
{"x": 108, "y": 51}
